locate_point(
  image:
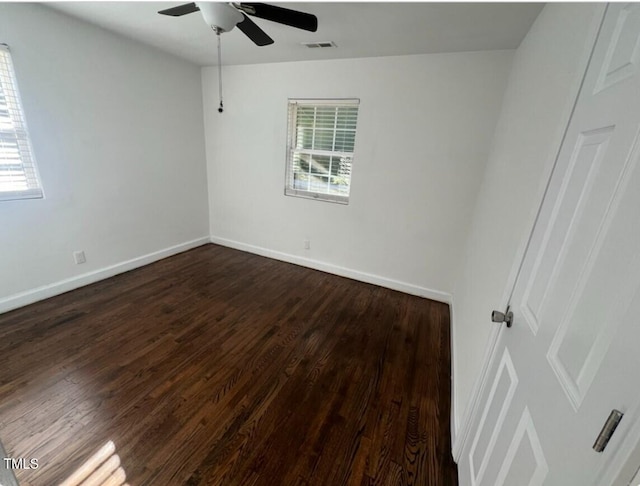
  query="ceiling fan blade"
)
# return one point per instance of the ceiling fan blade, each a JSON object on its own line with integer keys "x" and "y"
{"x": 185, "y": 9}
{"x": 253, "y": 32}
{"x": 286, "y": 16}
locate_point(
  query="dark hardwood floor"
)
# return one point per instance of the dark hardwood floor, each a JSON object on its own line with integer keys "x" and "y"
{"x": 216, "y": 366}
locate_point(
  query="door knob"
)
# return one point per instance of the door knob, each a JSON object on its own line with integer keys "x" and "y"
{"x": 506, "y": 317}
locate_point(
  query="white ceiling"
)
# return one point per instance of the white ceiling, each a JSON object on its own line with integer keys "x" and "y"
{"x": 358, "y": 29}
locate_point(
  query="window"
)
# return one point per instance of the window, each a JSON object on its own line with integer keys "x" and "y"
{"x": 322, "y": 135}
{"x": 18, "y": 174}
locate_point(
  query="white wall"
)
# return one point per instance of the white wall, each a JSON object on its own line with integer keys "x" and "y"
{"x": 547, "y": 71}
{"x": 117, "y": 133}
{"x": 424, "y": 131}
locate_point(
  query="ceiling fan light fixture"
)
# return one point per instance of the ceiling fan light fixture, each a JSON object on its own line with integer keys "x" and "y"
{"x": 220, "y": 16}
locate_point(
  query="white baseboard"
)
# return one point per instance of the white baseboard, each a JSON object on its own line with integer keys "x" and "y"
{"x": 40, "y": 293}
{"x": 337, "y": 270}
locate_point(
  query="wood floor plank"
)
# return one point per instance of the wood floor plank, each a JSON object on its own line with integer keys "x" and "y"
{"x": 218, "y": 367}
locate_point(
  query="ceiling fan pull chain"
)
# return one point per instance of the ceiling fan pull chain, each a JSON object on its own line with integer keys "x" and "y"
{"x": 221, "y": 108}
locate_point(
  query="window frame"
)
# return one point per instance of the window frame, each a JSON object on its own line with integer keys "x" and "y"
{"x": 18, "y": 131}
{"x": 292, "y": 106}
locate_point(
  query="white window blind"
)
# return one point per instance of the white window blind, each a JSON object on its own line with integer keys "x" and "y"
{"x": 18, "y": 173}
{"x": 321, "y": 144}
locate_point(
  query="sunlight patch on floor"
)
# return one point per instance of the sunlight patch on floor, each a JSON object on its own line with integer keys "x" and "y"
{"x": 101, "y": 469}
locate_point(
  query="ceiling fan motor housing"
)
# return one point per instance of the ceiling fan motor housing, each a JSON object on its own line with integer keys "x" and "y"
{"x": 221, "y": 17}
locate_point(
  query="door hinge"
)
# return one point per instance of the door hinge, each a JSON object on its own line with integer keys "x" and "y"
{"x": 607, "y": 431}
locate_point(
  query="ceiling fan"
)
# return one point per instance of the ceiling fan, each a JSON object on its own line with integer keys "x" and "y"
{"x": 223, "y": 17}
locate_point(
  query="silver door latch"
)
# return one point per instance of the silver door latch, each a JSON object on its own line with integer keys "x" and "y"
{"x": 506, "y": 317}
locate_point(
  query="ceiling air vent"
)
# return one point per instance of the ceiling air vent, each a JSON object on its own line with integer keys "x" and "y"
{"x": 316, "y": 45}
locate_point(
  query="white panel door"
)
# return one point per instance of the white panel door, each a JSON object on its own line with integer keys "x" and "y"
{"x": 571, "y": 356}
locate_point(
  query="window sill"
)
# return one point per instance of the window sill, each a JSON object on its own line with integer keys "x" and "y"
{"x": 316, "y": 196}
{"x": 20, "y": 195}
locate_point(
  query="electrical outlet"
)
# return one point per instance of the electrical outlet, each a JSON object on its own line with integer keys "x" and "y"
{"x": 79, "y": 257}
{"x": 307, "y": 244}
